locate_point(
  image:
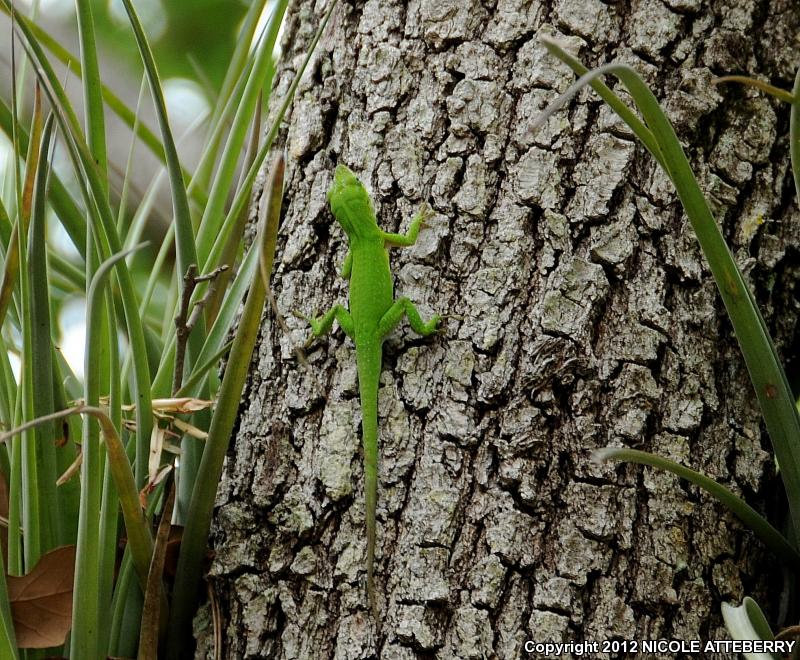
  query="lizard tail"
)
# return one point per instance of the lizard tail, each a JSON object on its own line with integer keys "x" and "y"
{"x": 369, "y": 372}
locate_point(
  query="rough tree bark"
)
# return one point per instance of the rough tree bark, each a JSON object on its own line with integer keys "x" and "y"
{"x": 581, "y": 314}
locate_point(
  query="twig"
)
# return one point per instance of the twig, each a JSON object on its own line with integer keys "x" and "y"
{"x": 181, "y": 328}
{"x": 788, "y": 633}
{"x": 213, "y": 278}
{"x": 185, "y": 322}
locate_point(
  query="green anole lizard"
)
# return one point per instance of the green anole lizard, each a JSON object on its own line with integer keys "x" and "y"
{"x": 373, "y": 314}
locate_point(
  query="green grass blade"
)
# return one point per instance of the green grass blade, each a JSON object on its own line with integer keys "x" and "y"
{"x": 262, "y": 71}
{"x": 184, "y": 234}
{"x": 232, "y": 243}
{"x": 104, "y": 230}
{"x": 35, "y": 534}
{"x": 126, "y": 611}
{"x": 126, "y": 179}
{"x": 242, "y": 198}
{"x": 92, "y": 89}
{"x": 109, "y": 507}
{"x": 198, "y": 520}
{"x": 794, "y": 134}
{"x": 770, "y": 536}
{"x": 239, "y": 58}
{"x": 218, "y": 125}
{"x": 67, "y": 432}
{"x": 15, "y": 559}
{"x": 42, "y": 348}
{"x": 87, "y": 606}
{"x": 6, "y": 226}
{"x": 200, "y": 371}
{"x": 777, "y": 92}
{"x": 117, "y": 106}
{"x": 68, "y": 212}
{"x": 769, "y": 380}
{"x": 8, "y": 642}
{"x": 8, "y": 388}
{"x": 11, "y": 267}
{"x": 73, "y": 276}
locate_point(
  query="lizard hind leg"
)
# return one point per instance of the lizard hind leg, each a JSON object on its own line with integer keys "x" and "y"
{"x": 322, "y": 324}
{"x": 404, "y": 307}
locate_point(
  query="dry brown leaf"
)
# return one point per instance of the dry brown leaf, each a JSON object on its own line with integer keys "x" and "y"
{"x": 172, "y": 448}
{"x": 182, "y": 404}
{"x": 71, "y": 471}
{"x": 41, "y": 601}
{"x": 185, "y": 404}
{"x": 154, "y": 459}
{"x": 150, "y": 486}
{"x": 190, "y": 429}
{"x": 63, "y": 439}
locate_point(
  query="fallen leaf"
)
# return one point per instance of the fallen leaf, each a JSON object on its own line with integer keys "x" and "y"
{"x": 41, "y": 601}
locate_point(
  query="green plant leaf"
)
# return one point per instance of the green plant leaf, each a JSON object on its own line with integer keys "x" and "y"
{"x": 68, "y": 212}
{"x": 12, "y": 262}
{"x": 92, "y": 89}
{"x": 42, "y": 37}
{"x": 42, "y": 349}
{"x": 104, "y": 228}
{"x": 88, "y": 611}
{"x": 198, "y": 520}
{"x": 770, "y": 536}
{"x": 769, "y": 380}
{"x": 794, "y": 134}
{"x": 777, "y": 92}
{"x": 184, "y": 234}
{"x": 261, "y": 74}
{"x": 37, "y": 536}
{"x": 747, "y": 622}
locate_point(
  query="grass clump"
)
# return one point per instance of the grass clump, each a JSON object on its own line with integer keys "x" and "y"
{"x": 91, "y": 463}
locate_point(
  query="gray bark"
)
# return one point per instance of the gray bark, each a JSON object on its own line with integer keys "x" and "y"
{"x": 581, "y": 314}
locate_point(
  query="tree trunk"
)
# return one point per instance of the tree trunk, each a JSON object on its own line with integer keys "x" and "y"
{"x": 579, "y": 312}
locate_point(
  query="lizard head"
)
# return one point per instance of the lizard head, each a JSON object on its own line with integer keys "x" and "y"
{"x": 351, "y": 205}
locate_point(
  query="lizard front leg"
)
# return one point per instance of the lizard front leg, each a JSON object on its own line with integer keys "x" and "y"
{"x": 404, "y": 307}
{"x": 410, "y": 237}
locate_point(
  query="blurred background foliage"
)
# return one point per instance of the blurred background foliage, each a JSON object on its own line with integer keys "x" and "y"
{"x": 192, "y": 41}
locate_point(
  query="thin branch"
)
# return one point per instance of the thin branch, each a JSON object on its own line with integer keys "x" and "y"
{"x": 181, "y": 328}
